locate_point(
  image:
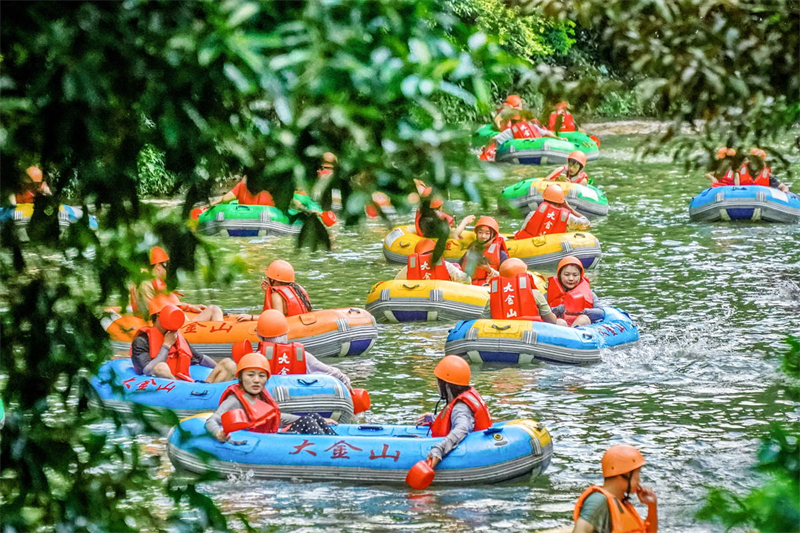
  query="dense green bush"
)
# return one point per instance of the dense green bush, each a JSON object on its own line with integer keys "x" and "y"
{"x": 152, "y": 177}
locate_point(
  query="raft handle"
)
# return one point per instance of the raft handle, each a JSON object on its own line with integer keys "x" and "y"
{"x": 307, "y": 383}
{"x": 241, "y": 206}
{"x": 237, "y": 442}
{"x": 371, "y": 428}
{"x": 501, "y": 328}
{"x": 411, "y": 288}
{"x": 492, "y": 430}
{"x": 198, "y": 393}
{"x": 581, "y": 235}
{"x": 406, "y": 245}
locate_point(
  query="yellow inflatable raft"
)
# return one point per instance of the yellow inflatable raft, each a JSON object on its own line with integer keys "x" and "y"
{"x": 538, "y": 252}
{"x": 326, "y": 332}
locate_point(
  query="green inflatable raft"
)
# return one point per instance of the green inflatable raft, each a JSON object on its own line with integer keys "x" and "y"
{"x": 587, "y": 199}
{"x": 238, "y": 220}
{"x": 542, "y": 151}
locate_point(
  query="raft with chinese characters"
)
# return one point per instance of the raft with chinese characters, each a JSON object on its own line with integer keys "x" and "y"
{"x": 364, "y": 453}
{"x": 522, "y": 341}
{"x": 327, "y": 332}
{"x": 543, "y": 252}
{"x": 748, "y": 202}
{"x": 120, "y": 388}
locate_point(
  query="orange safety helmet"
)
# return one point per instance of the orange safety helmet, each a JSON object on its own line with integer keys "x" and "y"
{"x": 513, "y": 266}
{"x": 562, "y": 105}
{"x": 425, "y": 246}
{"x": 35, "y": 174}
{"x": 514, "y": 100}
{"x": 253, "y": 360}
{"x": 281, "y": 270}
{"x": 570, "y": 260}
{"x": 240, "y": 349}
{"x": 490, "y": 223}
{"x": 453, "y": 369}
{"x": 158, "y": 255}
{"x": 724, "y": 152}
{"x": 171, "y": 317}
{"x": 553, "y": 193}
{"x": 437, "y": 202}
{"x": 621, "y": 459}
{"x": 758, "y": 152}
{"x": 272, "y": 323}
{"x": 158, "y": 302}
{"x": 578, "y": 156}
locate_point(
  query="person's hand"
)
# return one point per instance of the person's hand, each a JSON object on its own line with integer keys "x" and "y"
{"x": 558, "y": 310}
{"x": 222, "y": 436}
{"x": 469, "y": 219}
{"x": 169, "y": 338}
{"x": 331, "y": 422}
{"x": 201, "y": 307}
{"x": 244, "y": 318}
{"x": 646, "y": 495}
{"x": 264, "y": 285}
{"x": 433, "y": 461}
{"x": 422, "y": 419}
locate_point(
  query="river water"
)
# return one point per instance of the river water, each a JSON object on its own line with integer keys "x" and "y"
{"x": 713, "y": 303}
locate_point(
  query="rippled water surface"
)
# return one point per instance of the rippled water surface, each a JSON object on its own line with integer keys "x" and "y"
{"x": 713, "y": 302}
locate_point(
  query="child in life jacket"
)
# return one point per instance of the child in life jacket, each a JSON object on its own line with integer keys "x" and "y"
{"x": 162, "y": 351}
{"x": 147, "y": 290}
{"x": 754, "y": 171}
{"x": 464, "y": 412}
{"x": 554, "y": 215}
{"x": 725, "y": 173}
{"x": 421, "y": 266}
{"x": 570, "y": 295}
{"x": 281, "y": 292}
{"x": 513, "y": 295}
{"x": 505, "y": 116}
{"x": 608, "y": 509}
{"x": 33, "y": 185}
{"x": 525, "y": 129}
{"x": 561, "y": 119}
{"x": 286, "y": 357}
{"x": 486, "y": 253}
{"x": 573, "y": 170}
{"x": 259, "y": 410}
{"x": 241, "y": 193}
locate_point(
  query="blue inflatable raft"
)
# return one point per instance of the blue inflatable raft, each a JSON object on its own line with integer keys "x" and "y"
{"x": 748, "y": 202}
{"x": 22, "y": 213}
{"x": 522, "y": 341}
{"x": 364, "y": 453}
{"x": 296, "y": 394}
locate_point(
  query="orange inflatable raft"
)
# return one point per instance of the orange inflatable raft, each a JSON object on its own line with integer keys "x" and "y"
{"x": 327, "y": 332}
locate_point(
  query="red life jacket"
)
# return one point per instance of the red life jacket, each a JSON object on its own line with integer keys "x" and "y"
{"x": 746, "y": 179}
{"x": 483, "y": 420}
{"x": 577, "y": 178}
{"x": 546, "y": 220}
{"x": 525, "y": 130}
{"x": 512, "y": 298}
{"x": 179, "y": 357}
{"x": 25, "y": 197}
{"x": 489, "y": 152}
{"x": 442, "y": 215}
{"x": 294, "y": 305}
{"x": 726, "y": 180}
{"x": 574, "y": 301}
{"x": 567, "y": 122}
{"x": 492, "y": 254}
{"x": 420, "y": 267}
{"x": 284, "y": 358}
{"x": 624, "y": 518}
{"x": 258, "y": 412}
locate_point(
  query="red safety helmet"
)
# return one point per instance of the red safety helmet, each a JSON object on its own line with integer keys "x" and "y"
{"x": 425, "y": 246}
{"x": 171, "y": 317}
{"x": 272, "y": 323}
{"x": 253, "y": 360}
{"x": 490, "y": 223}
{"x": 514, "y": 100}
{"x": 35, "y": 174}
{"x": 158, "y": 255}
{"x": 240, "y": 349}
{"x": 513, "y": 266}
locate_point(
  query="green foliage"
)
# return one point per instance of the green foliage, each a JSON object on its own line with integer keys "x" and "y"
{"x": 773, "y": 507}
{"x": 153, "y": 178}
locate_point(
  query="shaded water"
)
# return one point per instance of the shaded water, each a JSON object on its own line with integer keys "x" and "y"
{"x": 713, "y": 303}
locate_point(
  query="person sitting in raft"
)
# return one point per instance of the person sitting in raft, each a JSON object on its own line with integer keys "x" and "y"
{"x": 289, "y": 357}
{"x": 554, "y": 215}
{"x": 147, "y": 290}
{"x": 570, "y": 295}
{"x": 504, "y": 117}
{"x": 242, "y": 194}
{"x": 484, "y": 255}
{"x": 281, "y": 292}
{"x": 756, "y": 165}
{"x": 608, "y": 509}
{"x": 513, "y": 295}
{"x": 573, "y": 171}
{"x": 464, "y": 413}
{"x": 260, "y": 409}
{"x": 724, "y": 174}
{"x": 561, "y": 119}
{"x": 162, "y": 351}
{"x": 33, "y": 185}
{"x": 421, "y": 267}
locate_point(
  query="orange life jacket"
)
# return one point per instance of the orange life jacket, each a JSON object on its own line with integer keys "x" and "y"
{"x": 546, "y": 220}
{"x": 512, "y": 298}
{"x": 492, "y": 254}
{"x": 258, "y": 412}
{"x": 179, "y": 357}
{"x": 725, "y": 180}
{"x": 577, "y": 178}
{"x": 489, "y": 152}
{"x": 525, "y": 130}
{"x": 575, "y": 300}
{"x": 420, "y": 267}
{"x": 746, "y": 179}
{"x": 483, "y": 420}
{"x": 624, "y": 518}
{"x": 294, "y": 305}
{"x": 442, "y": 215}
{"x": 285, "y": 358}
{"x": 567, "y": 122}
